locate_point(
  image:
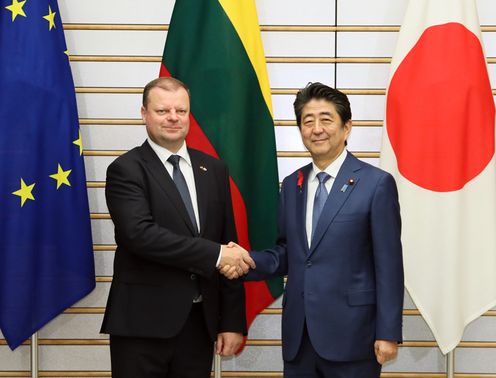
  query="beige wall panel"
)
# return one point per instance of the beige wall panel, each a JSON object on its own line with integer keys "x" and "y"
{"x": 74, "y": 326}
{"x": 283, "y": 107}
{"x": 96, "y": 167}
{"x": 478, "y": 360}
{"x": 367, "y": 107}
{"x": 366, "y": 44}
{"x": 481, "y": 329}
{"x": 104, "y": 263}
{"x": 486, "y": 12}
{"x": 97, "y": 298}
{"x": 489, "y": 40}
{"x": 74, "y": 357}
{"x": 288, "y": 139}
{"x": 102, "y": 231}
{"x": 298, "y": 75}
{"x": 366, "y": 12}
{"x": 112, "y": 137}
{"x": 316, "y": 44}
{"x": 492, "y": 74}
{"x": 415, "y": 328}
{"x": 115, "y": 42}
{"x": 96, "y": 197}
{"x": 362, "y": 75}
{"x": 266, "y": 327}
{"x": 18, "y": 359}
{"x": 116, "y": 11}
{"x": 295, "y": 12}
{"x": 106, "y": 105}
{"x": 114, "y": 74}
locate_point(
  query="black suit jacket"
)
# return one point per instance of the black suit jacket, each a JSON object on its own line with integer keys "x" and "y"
{"x": 158, "y": 255}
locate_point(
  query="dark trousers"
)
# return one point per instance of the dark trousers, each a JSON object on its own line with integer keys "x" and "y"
{"x": 308, "y": 364}
{"x": 187, "y": 355}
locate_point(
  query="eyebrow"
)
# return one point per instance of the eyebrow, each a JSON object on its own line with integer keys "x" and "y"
{"x": 320, "y": 114}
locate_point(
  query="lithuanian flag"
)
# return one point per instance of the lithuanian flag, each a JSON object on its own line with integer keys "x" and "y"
{"x": 215, "y": 47}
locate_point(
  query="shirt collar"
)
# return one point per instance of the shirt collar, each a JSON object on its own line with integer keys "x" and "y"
{"x": 163, "y": 153}
{"x": 333, "y": 168}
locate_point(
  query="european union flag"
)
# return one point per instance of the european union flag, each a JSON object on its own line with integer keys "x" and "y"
{"x": 46, "y": 257}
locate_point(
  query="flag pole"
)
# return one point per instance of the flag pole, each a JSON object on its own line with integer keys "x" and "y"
{"x": 217, "y": 366}
{"x": 34, "y": 355}
{"x": 450, "y": 361}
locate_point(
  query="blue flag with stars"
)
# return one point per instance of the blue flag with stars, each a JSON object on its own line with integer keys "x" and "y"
{"x": 46, "y": 256}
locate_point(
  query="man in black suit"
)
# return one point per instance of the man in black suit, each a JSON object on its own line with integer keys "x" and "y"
{"x": 171, "y": 207}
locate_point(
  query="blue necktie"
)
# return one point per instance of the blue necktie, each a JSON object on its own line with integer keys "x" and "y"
{"x": 181, "y": 186}
{"x": 320, "y": 199}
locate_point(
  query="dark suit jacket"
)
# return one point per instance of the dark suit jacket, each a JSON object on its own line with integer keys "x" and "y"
{"x": 348, "y": 286}
{"x": 158, "y": 256}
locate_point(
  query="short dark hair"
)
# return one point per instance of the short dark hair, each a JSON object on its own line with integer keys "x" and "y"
{"x": 319, "y": 91}
{"x": 167, "y": 83}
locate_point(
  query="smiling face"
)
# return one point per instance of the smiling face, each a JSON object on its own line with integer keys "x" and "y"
{"x": 166, "y": 115}
{"x": 323, "y": 132}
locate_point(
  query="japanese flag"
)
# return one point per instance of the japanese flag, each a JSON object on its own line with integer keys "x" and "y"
{"x": 438, "y": 142}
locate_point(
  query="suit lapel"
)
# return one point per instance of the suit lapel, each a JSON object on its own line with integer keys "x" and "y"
{"x": 165, "y": 182}
{"x": 344, "y": 184}
{"x": 301, "y": 206}
{"x": 200, "y": 171}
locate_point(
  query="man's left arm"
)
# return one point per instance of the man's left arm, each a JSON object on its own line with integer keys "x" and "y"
{"x": 232, "y": 324}
{"x": 388, "y": 260}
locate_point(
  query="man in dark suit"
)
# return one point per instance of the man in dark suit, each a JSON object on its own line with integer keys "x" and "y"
{"x": 171, "y": 207}
{"x": 341, "y": 252}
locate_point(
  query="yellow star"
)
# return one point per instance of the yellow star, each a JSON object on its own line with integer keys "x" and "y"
{"x": 16, "y": 9}
{"x": 79, "y": 142}
{"x": 62, "y": 177}
{"x": 25, "y": 192}
{"x": 66, "y": 52}
{"x": 50, "y": 17}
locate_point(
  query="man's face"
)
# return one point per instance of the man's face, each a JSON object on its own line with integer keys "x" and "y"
{"x": 322, "y": 130}
{"x": 166, "y": 116}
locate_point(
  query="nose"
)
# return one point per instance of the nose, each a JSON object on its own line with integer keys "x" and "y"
{"x": 172, "y": 115}
{"x": 317, "y": 128}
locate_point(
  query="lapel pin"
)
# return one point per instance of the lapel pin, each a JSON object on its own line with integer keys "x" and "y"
{"x": 203, "y": 168}
{"x": 345, "y": 186}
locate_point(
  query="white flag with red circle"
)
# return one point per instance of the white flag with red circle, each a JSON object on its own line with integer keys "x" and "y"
{"x": 439, "y": 143}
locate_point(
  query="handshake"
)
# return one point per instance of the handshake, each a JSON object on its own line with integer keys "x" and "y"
{"x": 235, "y": 261}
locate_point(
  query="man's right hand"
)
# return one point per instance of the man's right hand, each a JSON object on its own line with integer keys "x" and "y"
{"x": 235, "y": 261}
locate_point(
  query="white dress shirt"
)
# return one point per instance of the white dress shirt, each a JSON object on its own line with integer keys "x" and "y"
{"x": 312, "y": 185}
{"x": 186, "y": 169}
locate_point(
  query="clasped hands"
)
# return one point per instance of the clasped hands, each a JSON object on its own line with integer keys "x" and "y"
{"x": 235, "y": 261}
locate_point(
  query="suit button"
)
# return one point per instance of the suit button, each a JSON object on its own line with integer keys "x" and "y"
{"x": 193, "y": 276}
{"x": 309, "y": 264}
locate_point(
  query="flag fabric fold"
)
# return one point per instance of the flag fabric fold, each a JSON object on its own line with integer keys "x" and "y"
{"x": 215, "y": 47}
{"x": 438, "y": 142}
{"x": 46, "y": 256}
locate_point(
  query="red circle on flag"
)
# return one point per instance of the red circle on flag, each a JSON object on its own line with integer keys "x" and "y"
{"x": 440, "y": 110}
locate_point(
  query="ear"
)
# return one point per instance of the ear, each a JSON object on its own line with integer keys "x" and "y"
{"x": 143, "y": 114}
{"x": 347, "y": 127}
